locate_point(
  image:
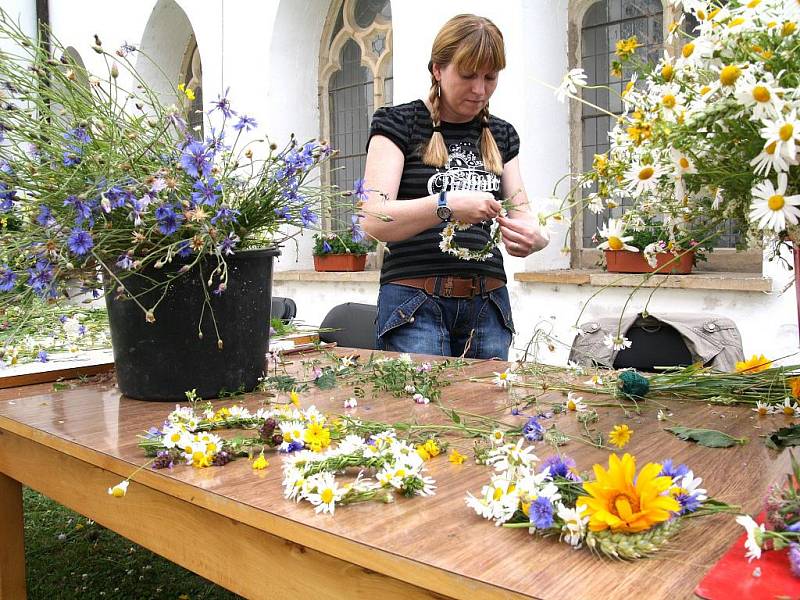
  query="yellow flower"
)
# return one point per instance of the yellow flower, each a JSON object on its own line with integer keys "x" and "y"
{"x": 190, "y": 94}
{"x": 432, "y": 448}
{"x": 260, "y": 462}
{"x": 423, "y": 453}
{"x": 755, "y": 364}
{"x": 620, "y": 435}
{"x": 222, "y": 414}
{"x": 295, "y": 398}
{"x": 456, "y": 457}
{"x": 317, "y": 437}
{"x": 119, "y": 490}
{"x": 615, "y": 502}
{"x": 626, "y": 47}
{"x": 201, "y": 459}
{"x": 794, "y": 385}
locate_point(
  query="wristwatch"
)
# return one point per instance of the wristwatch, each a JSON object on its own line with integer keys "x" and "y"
{"x": 442, "y": 210}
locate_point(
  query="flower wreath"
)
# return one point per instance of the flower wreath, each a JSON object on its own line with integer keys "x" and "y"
{"x": 449, "y": 246}
{"x": 397, "y": 466}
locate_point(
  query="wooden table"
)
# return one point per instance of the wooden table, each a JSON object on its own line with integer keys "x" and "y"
{"x": 233, "y": 526}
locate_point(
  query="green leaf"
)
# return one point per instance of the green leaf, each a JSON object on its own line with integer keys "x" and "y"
{"x": 710, "y": 438}
{"x": 783, "y": 437}
{"x": 327, "y": 380}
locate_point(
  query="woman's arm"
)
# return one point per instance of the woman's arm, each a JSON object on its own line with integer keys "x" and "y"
{"x": 407, "y": 218}
{"x": 520, "y": 229}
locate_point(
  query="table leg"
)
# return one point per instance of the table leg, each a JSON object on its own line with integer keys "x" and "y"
{"x": 12, "y": 534}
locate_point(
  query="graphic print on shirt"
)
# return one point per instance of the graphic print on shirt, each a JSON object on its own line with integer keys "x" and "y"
{"x": 464, "y": 171}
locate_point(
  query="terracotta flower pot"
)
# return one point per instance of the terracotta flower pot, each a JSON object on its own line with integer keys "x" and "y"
{"x": 340, "y": 262}
{"x": 623, "y": 261}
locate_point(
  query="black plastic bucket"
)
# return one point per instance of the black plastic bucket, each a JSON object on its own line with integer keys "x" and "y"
{"x": 165, "y": 359}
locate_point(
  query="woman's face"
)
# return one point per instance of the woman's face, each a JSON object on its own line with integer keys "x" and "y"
{"x": 463, "y": 94}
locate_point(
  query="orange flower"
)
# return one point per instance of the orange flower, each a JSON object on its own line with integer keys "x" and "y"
{"x": 794, "y": 385}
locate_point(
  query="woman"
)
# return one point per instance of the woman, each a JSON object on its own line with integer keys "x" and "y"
{"x": 440, "y": 160}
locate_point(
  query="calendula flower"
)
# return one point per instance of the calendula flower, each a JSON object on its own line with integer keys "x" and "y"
{"x": 794, "y": 385}
{"x": 505, "y": 379}
{"x": 621, "y": 501}
{"x": 260, "y": 463}
{"x": 456, "y": 457}
{"x": 755, "y": 534}
{"x": 620, "y": 435}
{"x": 119, "y": 490}
{"x": 616, "y": 342}
{"x": 771, "y": 207}
{"x": 754, "y": 364}
{"x": 614, "y": 233}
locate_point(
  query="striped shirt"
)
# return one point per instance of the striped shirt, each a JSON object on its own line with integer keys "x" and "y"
{"x": 410, "y": 127}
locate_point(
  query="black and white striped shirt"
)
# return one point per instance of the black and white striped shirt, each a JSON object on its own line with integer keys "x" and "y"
{"x": 410, "y": 127}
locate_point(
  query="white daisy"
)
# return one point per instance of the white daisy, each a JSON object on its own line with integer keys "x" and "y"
{"x": 505, "y": 379}
{"x": 682, "y": 163}
{"x": 569, "y": 85}
{"x": 755, "y": 534}
{"x": 768, "y": 159}
{"x": 761, "y": 96}
{"x": 327, "y": 493}
{"x": 785, "y": 132}
{"x": 771, "y": 207}
{"x": 119, "y": 490}
{"x": 616, "y": 342}
{"x": 695, "y": 51}
{"x": 596, "y": 380}
{"x": 643, "y": 178}
{"x": 574, "y": 528}
{"x": 788, "y": 408}
{"x": 763, "y": 409}
{"x": 575, "y": 402}
{"x": 614, "y": 233}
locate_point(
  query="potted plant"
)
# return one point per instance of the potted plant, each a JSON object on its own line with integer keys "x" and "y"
{"x": 648, "y": 248}
{"x": 111, "y": 189}
{"x": 346, "y": 252}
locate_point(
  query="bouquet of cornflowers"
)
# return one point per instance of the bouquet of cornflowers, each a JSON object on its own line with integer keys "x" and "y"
{"x": 712, "y": 132}
{"x": 620, "y": 514}
{"x": 186, "y": 435}
{"x": 398, "y": 466}
{"x": 107, "y": 181}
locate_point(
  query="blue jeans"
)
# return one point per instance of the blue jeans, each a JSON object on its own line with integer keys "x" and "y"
{"x": 410, "y": 320}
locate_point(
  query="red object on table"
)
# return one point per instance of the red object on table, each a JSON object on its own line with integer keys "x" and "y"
{"x": 732, "y": 576}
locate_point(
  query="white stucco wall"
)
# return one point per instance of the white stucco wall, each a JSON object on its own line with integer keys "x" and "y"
{"x": 267, "y": 53}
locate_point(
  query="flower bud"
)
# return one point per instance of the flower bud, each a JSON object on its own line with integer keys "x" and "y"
{"x": 114, "y": 70}
{"x": 183, "y": 269}
{"x": 249, "y": 153}
{"x": 219, "y": 344}
{"x": 150, "y": 317}
{"x": 70, "y": 74}
{"x": 97, "y": 48}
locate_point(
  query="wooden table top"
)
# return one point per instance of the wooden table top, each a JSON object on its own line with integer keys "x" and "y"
{"x": 437, "y": 543}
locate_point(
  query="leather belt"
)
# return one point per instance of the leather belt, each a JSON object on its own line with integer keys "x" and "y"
{"x": 453, "y": 287}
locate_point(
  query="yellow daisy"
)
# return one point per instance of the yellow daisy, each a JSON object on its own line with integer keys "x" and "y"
{"x": 620, "y": 435}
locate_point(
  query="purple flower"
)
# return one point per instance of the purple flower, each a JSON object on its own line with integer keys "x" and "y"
{"x": 76, "y": 139}
{"x": 294, "y": 446}
{"x": 560, "y": 466}
{"x": 359, "y": 191}
{"x": 326, "y": 247}
{"x": 83, "y": 211}
{"x": 246, "y": 123}
{"x": 282, "y": 213}
{"x": 196, "y": 159}
{"x": 224, "y": 216}
{"x": 45, "y": 217}
{"x": 184, "y": 249}
{"x": 126, "y": 49}
{"x": 357, "y": 233}
{"x": 168, "y": 220}
{"x": 670, "y": 470}
{"x": 689, "y": 503}
{"x": 81, "y": 330}
{"x": 42, "y": 356}
{"x": 307, "y": 217}
{"x": 8, "y": 279}
{"x": 163, "y": 460}
{"x": 794, "y": 558}
{"x": 541, "y": 513}
{"x": 62, "y": 319}
{"x": 125, "y": 262}
{"x": 7, "y": 196}
{"x": 227, "y": 244}
{"x": 40, "y": 277}
{"x": 533, "y": 430}
{"x": 80, "y": 242}
{"x": 223, "y": 105}
{"x": 207, "y": 191}
{"x": 515, "y": 411}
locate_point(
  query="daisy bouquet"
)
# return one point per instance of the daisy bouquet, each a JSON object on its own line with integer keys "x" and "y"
{"x": 187, "y": 435}
{"x": 104, "y": 179}
{"x": 621, "y": 513}
{"x": 395, "y": 465}
{"x": 710, "y": 133}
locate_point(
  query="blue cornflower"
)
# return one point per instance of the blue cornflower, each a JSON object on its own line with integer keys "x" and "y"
{"x": 207, "y": 191}
{"x": 533, "y": 430}
{"x": 184, "y": 249}
{"x": 42, "y": 356}
{"x": 689, "y": 503}
{"x": 126, "y": 49}
{"x": 326, "y": 247}
{"x": 45, "y": 217}
{"x": 294, "y": 446}
{"x": 292, "y": 195}
{"x": 669, "y": 470}
{"x": 541, "y": 513}
{"x": 246, "y": 123}
{"x": 79, "y": 135}
{"x": 196, "y": 159}
{"x": 62, "y": 319}
{"x": 223, "y": 105}
{"x": 307, "y": 217}
{"x": 794, "y": 527}
{"x": 41, "y": 276}
{"x": 5, "y": 167}
{"x": 6, "y": 193}
{"x": 282, "y": 212}
{"x": 224, "y": 216}
{"x": 8, "y": 279}
{"x": 125, "y": 262}
{"x": 82, "y": 330}
{"x": 168, "y": 220}
{"x": 227, "y": 244}
{"x": 359, "y": 191}
{"x": 560, "y": 466}
{"x": 77, "y": 138}
{"x": 357, "y": 233}
{"x": 80, "y": 242}
{"x": 83, "y": 212}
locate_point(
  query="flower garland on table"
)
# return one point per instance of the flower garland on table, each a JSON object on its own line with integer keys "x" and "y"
{"x": 620, "y": 514}
{"x": 188, "y": 436}
{"x": 397, "y": 465}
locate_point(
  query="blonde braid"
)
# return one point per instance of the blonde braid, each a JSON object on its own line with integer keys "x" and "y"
{"x": 435, "y": 152}
{"x": 490, "y": 153}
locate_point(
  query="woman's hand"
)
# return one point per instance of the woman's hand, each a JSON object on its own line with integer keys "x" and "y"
{"x": 522, "y": 235}
{"x": 473, "y": 207}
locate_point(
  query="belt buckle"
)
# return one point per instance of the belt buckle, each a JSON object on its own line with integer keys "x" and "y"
{"x": 475, "y": 287}
{"x": 447, "y": 287}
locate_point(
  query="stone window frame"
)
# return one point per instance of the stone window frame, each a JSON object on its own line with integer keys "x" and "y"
{"x": 191, "y": 74}
{"x": 329, "y": 63}
{"x": 721, "y": 259}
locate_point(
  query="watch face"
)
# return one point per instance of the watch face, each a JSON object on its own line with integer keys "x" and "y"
{"x": 444, "y": 213}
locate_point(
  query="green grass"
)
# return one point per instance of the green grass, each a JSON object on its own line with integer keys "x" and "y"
{"x": 69, "y": 556}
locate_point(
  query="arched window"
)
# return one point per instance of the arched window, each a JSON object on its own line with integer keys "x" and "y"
{"x": 192, "y": 77}
{"x": 355, "y": 79}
